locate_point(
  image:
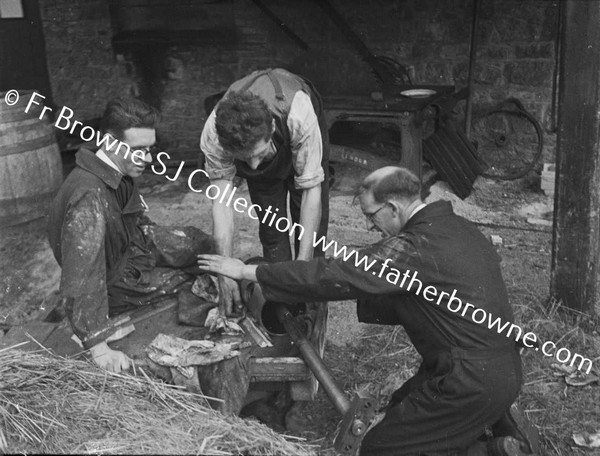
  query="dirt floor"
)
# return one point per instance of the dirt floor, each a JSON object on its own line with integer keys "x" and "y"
{"x": 372, "y": 358}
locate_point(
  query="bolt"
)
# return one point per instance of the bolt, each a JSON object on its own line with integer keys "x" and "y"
{"x": 501, "y": 140}
{"x": 358, "y": 427}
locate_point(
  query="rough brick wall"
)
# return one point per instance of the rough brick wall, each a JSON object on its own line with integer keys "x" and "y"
{"x": 516, "y": 53}
{"x": 84, "y": 72}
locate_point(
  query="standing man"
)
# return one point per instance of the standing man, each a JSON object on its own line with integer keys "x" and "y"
{"x": 431, "y": 273}
{"x": 270, "y": 129}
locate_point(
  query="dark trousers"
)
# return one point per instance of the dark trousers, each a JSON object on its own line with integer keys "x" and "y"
{"x": 447, "y": 405}
{"x": 274, "y": 192}
{"x": 166, "y": 266}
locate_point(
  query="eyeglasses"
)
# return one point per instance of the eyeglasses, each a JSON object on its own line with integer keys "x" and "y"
{"x": 371, "y": 216}
{"x": 153, "y": 150}
{"x": 147, "y": 149}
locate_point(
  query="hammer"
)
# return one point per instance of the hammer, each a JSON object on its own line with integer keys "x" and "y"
{"x": 127, "y": 320}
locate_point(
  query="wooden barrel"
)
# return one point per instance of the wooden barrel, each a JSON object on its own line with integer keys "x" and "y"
{"x": 30, "y": 163}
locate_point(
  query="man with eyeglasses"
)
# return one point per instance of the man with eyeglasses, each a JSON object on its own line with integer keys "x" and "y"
{"x": 470, "y": 375}
{"x": 269, "y": 128}
{"x": 103, "y": 241}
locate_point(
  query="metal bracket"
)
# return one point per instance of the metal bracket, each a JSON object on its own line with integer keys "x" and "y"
{"x": 355, "y": 423}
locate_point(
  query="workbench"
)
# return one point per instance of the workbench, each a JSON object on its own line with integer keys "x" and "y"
{"x": 256, "y": 369}
{"x": 406, "y": 112}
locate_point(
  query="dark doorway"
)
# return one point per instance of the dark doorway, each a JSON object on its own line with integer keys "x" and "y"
{"x": 22, "y": 50}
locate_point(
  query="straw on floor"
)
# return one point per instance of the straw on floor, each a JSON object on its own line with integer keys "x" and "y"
{"x": 55, "y": 405}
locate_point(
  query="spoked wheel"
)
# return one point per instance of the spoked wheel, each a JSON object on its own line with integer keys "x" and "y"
{"x": 508, "y": 139}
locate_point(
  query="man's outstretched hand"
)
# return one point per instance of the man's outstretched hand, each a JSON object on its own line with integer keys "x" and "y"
{"x": 229, "y": 267}
{"x": 230, "y": 300}
{"x": 109, "y": 359}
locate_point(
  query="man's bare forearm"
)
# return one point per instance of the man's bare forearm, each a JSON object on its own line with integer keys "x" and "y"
{"x": 310, "y": 219}
{"x": 223, "y": 224}
{"x": 249, "y": 272}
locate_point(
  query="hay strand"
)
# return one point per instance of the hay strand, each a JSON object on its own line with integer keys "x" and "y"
{"x": 56, "y": 405}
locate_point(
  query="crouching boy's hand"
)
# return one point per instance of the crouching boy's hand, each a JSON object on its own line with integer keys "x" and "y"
{"x": 109, "y": 359}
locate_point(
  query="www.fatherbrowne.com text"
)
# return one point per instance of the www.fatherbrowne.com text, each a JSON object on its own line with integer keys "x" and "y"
{"x": 64, "y": 121}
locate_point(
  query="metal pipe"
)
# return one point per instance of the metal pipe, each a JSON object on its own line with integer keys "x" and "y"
{"x": 471, "y": 77}
{"x": 313, "y": 360}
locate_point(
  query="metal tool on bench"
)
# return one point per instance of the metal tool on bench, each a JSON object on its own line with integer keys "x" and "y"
{"x": 131, "y": 319}
{"x": 356, "y": 414}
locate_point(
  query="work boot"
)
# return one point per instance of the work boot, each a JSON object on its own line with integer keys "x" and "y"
{"x": 507, "y": 446}
{"x": 515, "y": 424}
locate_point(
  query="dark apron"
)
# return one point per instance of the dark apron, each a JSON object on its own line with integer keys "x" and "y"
{"x": 273, "y": 180}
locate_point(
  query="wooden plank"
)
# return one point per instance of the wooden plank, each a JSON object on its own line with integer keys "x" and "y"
{"x": 454, "y": 158}
{"x": 29, "y": 332}
{"x": 61, "y": 341}
{"x": 575, "y": 277}
{"x": 279, "y": 369}
{"x": 412, "y": 149}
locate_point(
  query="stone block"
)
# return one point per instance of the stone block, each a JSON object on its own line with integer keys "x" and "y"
{"x": 518, "y": 21}
{"x": 460, "y": 71}
{"x": 174, "y": 68}
{"x": 220, "y": 72}
{"x": 529, "y": 73}
{"x": 96, "y": 72}
{"x": 56, "y": 40}
{"x": 106, "y": 59}
{"x": 403, "y": 51}
{"x": 433, "y": 73}
{"x": 544, "y": 50}
{"x": 459, "y": 30}
{"x": 94, "y": 10}
{"x": 76, "y": 11}
{"x": 497, "y": 95}
{"x": 488, "y": 34}
{"x": 424, "y": 50}
{"x": 481, "y": 102}
{"x": 493, "y": 52}
{"x": 488, "y": 73}
{"x": 408, "y": 31}
{"x": 548, "y": 178}
{"x": 51, "y": 14}
{"x": 76, "y": 60}
{"x": 454, "y": 51}
{"x": 549, "y": 29}
{"x": 437, "y": 28}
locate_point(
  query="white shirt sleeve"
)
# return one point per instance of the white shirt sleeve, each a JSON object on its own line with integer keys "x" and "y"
{"x": 219, "y": 164}
{"x": 306, "y": 143}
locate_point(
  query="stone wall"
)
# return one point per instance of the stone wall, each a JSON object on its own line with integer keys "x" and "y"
{"x": 84, "y": 71}
{"x": 516, "y": 54}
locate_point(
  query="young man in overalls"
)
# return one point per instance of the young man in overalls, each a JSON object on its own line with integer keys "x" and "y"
{"x": 269, "y": 128}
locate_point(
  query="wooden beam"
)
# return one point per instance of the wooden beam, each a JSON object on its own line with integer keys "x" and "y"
{"x": 575, "y": 275}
